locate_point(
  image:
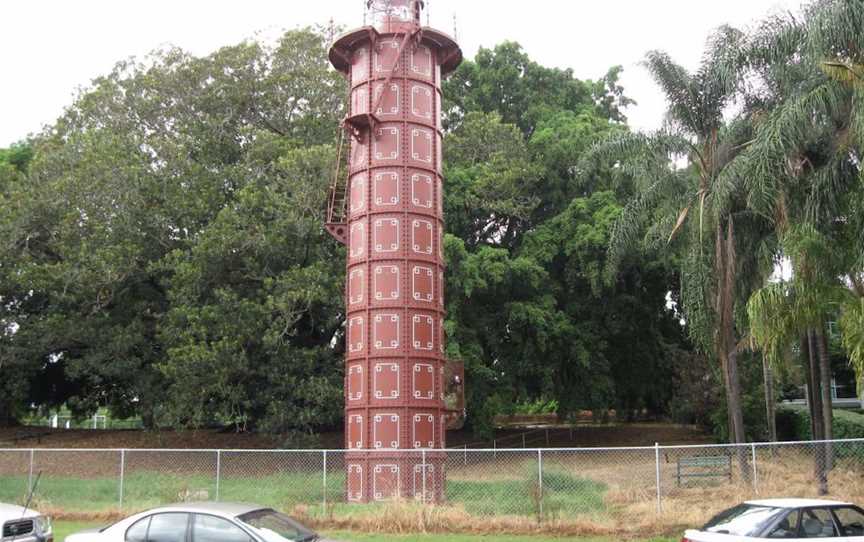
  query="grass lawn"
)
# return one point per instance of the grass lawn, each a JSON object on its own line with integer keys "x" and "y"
{"x": 354, "y": 537}
{"x": 65, "y": 528}
{"x": 62, "y": 529}
{"x": 563, "y": 493}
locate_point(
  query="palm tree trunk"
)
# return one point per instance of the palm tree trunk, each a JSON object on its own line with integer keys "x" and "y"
{"x": 727, "y": 346}
{"x": 816, "y": 416}
{"x": 770, "y": 402}
{"x": 827, "y": 404}
{"x": 808, "y": 377}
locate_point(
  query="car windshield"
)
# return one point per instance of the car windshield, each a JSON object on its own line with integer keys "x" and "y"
{"x": 742, "y": 520}
{"x": 275, "y": 527}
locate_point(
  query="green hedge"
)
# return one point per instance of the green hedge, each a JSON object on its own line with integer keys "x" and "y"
{"x": 794, "y": 424}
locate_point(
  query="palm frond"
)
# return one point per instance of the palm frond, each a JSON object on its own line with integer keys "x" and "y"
{"x": 772, "y": 324}
{"x": 677, "y": 84}
{"x": 852, "y": 331}
{"x": 627, "y": 233}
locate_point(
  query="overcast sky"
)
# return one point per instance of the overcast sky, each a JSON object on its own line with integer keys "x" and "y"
{"x": 50, "y": 48}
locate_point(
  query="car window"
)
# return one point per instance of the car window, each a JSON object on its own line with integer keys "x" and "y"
{"x": 138, "y": 531}
{"x": 169, "y": 527}
{"x": 743, "y": 520}
{"x": 786, "y": 527}
{"x": 275, "y": 527}
{"x": 851, "y": 521}
{"x": 213, "y": 529}
{"x": 817, "y": 523}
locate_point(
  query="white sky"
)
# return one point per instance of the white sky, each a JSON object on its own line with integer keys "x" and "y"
{"x": 52, "y": 47}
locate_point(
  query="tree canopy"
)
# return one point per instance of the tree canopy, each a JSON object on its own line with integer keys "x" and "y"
{"x": 165, "y": 255}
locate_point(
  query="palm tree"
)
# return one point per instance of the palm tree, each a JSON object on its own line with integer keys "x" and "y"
{"x": 696, "y": 209}
{"x": 803, "y": 165}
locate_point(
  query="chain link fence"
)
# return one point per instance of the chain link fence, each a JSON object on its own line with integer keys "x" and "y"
{"x": 592, "y": 487}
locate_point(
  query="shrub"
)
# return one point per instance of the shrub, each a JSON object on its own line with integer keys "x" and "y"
{"x": 794, "y": 424}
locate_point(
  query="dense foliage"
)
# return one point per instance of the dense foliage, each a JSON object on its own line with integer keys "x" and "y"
{"x": 165, "y": 255}
{"x": 794, "y": 424}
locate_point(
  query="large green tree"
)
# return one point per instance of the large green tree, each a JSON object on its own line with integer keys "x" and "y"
{"x": 145, "y": 236}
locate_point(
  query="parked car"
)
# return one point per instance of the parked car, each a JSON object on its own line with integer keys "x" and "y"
{"x": 23, "y": 525}
{"x": 202, "y": 522}
{"x": 790, "y": 519}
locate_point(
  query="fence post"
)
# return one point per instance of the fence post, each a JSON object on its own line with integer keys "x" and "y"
{"x": 423, "y": 471}
{"x": 753, "y": 462}
{"x": 547, "y": 436}
{"x": 218, "y": 473}
{"x": 540, "y": 481}
{"x": 494, "y": 449}
{"x": 324, "y": 481}
{"x": 657, "y": 468}
{"x": 465, "y": 454}
{"x": 122, "y": 475}
{"x": 30, "y": 475}
{"x": 523, "y": 440}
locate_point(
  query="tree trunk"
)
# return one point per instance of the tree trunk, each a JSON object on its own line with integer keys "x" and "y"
{"x": 827, "y": 404}
{"x": 818, "y": 421}
{"x": 770, "y": 401}
{"x": 727, "y": 345}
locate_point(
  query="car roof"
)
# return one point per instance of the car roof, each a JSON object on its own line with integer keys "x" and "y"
{"x": 796, "y": 503}
{"x": 226, "y": 509}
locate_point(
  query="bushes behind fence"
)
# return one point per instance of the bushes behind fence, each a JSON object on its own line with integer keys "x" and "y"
{"x": 793, "y": 423}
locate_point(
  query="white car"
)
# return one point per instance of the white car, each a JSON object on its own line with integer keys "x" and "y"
{"x": 202, "y": 522}
{"x": 23, "y": 525}
{"x": 788, "y": 519}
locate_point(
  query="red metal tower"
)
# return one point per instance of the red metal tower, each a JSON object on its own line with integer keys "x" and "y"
{"x": 389, "y": 214}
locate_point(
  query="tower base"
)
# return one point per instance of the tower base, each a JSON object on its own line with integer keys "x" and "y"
{"x": 406, "y": 476}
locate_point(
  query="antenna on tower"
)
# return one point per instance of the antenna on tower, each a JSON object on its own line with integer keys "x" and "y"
{"x": 427, "y": 12}
{"x": 455, "y": 28}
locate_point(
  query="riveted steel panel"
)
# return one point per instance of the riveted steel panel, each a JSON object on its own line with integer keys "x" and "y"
{"x": 360, "y": 100}
{"x": 385, "y": 430}
{"x": 423, "y": 191}
{"x": 355, "y": 483}
{"x": 386, "y": 57}
{"x": 357, "y": 287}
{"x": 423, "y": 376}
{"x": 386, "y": 189}
{"x": 386, "y": 235}
{"x": 389, "y": 99}
{"x": 422, "y": 103}
{"x": 423, "y": 278}
{"x": 359, "y": 194}
{"x": 356, "y": 382}
{"x": 386, "y": 381}
{"x": 360, "y": 65}
{"x": 385, "y": 481}
{"x": 386, "y": 144}
{"x": 423, "y": 430}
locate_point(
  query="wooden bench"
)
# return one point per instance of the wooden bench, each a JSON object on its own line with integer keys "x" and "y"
{"x": 701, "y": 467}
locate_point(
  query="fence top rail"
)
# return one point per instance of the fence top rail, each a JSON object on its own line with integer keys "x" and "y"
{"x": 443, "y": 451}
